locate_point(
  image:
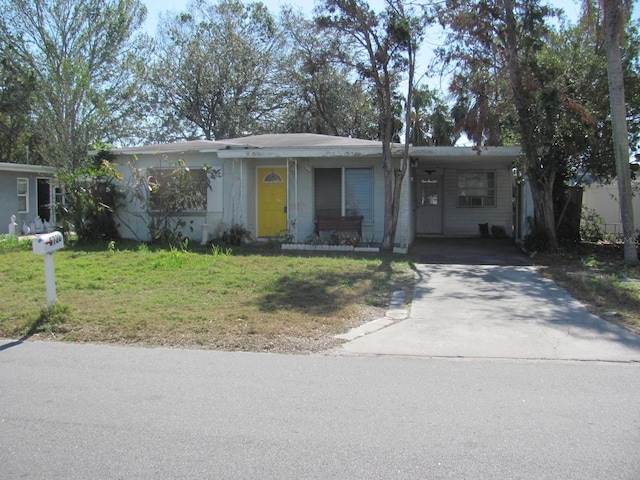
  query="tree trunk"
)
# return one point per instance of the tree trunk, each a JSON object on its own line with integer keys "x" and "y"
{"x": 542, "y": 192}
{"x": 613, "y": 23}
{"x": 389, "y": 224}
{"x": 541, "y": 181}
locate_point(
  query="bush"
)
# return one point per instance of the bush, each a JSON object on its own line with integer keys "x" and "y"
{"x": 591, "y": 226}
{"x": 235, "y": 235}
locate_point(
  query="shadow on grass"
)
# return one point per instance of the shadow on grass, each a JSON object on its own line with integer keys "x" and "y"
{"x": 325, "y": 293}
{"x": 47, "y": 320}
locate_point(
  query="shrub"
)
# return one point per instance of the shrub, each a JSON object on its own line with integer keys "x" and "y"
{"x": 236, "y": 234}
{"x": 591, "y": 226}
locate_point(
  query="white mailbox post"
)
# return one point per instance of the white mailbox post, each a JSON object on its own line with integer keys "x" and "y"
{"x": 46, "y": 244}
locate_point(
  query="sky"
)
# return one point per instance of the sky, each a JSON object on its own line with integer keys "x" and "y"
{"x": 155, "y": 7}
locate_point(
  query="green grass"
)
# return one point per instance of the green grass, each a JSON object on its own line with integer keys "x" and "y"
{"x": 214, "y": 298}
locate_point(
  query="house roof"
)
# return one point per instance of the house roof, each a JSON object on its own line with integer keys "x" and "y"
{"x": 300, "y": 145}
{"x": 175, "y": 147}
{"x": 308, "y": 140}
{"x": 266, "y": 146}
{"x": 287, "y": 145}
{"x": 23, "y": 168}
{"x": 279, "y": 140}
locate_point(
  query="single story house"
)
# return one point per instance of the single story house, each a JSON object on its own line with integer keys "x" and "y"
{"x": 28, "y": 192}
{"x": 272, "y": 184}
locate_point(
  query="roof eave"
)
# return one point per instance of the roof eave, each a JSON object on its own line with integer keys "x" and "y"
{"x": 24, "y": 168}
{"x": 301, "y": 152}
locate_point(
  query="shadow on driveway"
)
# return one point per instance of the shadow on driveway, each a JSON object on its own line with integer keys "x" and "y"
{"x": 482, "y": 298}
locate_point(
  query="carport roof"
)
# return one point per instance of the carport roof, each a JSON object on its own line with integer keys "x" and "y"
{"x": 465, "y": 156}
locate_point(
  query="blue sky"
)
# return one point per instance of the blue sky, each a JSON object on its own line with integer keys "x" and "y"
{"x": 155, "y": 7}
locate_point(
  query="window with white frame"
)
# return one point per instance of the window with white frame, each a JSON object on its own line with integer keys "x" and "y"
{"x": 476, "y": 189}
{"x": 23, "y": 195}
{"x": 344, "y": 192}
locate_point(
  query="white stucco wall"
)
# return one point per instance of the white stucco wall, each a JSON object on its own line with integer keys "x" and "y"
{"x": 132, "y": 219}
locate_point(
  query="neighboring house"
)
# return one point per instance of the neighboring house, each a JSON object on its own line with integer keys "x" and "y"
{"x": 603, "y": 199}
{"x": 277, "y": 184}
{"x": 27, "y": 191}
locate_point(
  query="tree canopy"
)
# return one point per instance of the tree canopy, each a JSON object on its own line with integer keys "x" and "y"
{"x": 520, "y": 80}
{"x": 214, "y": 71}
{"x": 83, "y": 58}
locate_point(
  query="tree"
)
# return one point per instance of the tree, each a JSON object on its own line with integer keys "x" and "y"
{"x": 213, "y": 75}
{"x": 323, "y": 95}
{"x": 83, "y": 57}
{"x": 93, "y": 194}
{"x": 614, "y": 14}
{"x": 382, "y": 48}
{"x": 431, "y": 123}
{"x": 17, "y": 89}
{"x": 518, "y": 85}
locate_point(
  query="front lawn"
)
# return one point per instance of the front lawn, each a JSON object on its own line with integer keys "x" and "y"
{"x": 246, "y": 299}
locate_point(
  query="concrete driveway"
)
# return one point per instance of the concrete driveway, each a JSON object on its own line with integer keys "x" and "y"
{"x": 482, "y": 299}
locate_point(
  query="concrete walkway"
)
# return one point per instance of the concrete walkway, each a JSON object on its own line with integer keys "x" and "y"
{"x": 495, "y": 306}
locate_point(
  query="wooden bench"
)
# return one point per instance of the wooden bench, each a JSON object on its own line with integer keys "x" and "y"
{"x": 352, "y": 224}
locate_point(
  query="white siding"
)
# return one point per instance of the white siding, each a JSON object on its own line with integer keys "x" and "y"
{"x": 464, "y": 221}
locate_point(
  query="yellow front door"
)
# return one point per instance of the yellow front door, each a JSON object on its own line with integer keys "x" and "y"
{"x": 272, "y": 201}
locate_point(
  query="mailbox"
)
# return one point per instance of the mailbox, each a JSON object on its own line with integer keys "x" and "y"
{"x": 47, "y": 243}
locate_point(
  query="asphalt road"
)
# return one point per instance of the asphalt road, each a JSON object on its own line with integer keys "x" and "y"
{"x": 86, "y": 411}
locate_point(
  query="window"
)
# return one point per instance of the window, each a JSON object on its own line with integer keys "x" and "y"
{"x": 272, "y": 178}
{"x": 344, "y": 192}
{"x": 429, "y": 192}
{"x": 23, "y": 195}
{"x": 476, "y": 189}
{"x": 178, "y": 190}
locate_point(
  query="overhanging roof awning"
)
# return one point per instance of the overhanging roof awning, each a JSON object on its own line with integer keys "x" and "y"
{"x": 465, "y": 156}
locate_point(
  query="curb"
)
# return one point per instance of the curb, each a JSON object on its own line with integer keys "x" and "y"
{"x": 396, "y": 312}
